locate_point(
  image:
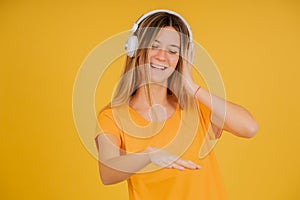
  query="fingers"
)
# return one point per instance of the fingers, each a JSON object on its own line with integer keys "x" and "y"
{"x": 176, "y": 166}
{"x": 187, "y": 164}
{"x": 164, "y": 159}
{"x": 189, "y": 54}
{"x": 183, "y": 164}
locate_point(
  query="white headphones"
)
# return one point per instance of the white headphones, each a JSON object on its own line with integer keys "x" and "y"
{"x": 131, "y": 44}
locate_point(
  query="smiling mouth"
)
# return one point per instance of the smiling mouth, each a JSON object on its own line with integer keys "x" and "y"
{"x": 158, "y": 67}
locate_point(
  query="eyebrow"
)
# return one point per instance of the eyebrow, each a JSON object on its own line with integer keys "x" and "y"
{"x": 172, "y": 45}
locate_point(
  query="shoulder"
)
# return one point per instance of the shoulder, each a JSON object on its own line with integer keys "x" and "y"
{"x": 107, "y": 110}
{"x": 108, "y": 121}
{"x": 111, "y": 113}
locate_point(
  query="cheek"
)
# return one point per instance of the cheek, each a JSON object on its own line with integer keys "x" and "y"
{"x": 174, "y": 61}
{"x": 150, "y": 53}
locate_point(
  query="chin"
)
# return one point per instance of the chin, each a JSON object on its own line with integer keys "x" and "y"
{"x": 159, "y": 81}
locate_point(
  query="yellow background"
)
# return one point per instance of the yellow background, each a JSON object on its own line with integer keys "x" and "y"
{"x": 255, "y": 45}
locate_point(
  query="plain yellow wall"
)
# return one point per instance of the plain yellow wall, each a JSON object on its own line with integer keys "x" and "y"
{"x": 255, "y": 45}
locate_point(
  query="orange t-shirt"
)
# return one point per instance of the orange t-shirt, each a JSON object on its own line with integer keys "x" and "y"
{"x": 153, "y": 183}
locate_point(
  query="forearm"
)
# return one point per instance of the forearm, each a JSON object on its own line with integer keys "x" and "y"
{"x": 120, "y": 168}
{"x": 229, "y": 116}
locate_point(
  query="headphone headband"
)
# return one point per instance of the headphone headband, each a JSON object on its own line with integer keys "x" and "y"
{"x": 136, "y": 24}
{"x": 131, "y": 45}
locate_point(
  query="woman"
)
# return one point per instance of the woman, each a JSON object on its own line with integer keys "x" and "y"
{"x": 139, "y": 140}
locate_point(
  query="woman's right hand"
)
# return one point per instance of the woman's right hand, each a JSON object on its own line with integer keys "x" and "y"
{"x": 165, "y": 159}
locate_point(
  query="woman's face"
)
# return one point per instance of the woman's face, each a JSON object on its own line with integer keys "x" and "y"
{"x": 164, "y": 54}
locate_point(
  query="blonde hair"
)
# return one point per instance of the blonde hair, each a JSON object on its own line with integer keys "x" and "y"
{"x": 131, "y": 76}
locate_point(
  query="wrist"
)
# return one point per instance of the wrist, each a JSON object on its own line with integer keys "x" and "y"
{"x": 191, "y": 89}
{"x": 147, "y": 152}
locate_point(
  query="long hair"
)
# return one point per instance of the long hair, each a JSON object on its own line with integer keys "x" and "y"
{"x": 132, "y": 76}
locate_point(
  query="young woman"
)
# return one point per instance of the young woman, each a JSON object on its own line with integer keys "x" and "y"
{"x": 153, "y": 129}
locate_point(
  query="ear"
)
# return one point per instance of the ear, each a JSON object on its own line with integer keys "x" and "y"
{"x": 131, "y": 45}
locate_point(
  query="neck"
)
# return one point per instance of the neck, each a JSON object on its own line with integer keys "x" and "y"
{"x": 158, "y": 95}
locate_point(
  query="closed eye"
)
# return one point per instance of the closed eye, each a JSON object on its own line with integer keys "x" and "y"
{"x": 155, "y": 46}
{"x": 173, "y": 52}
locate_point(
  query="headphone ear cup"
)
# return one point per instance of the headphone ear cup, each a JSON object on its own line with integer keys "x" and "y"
{"x": 131, "y": 45}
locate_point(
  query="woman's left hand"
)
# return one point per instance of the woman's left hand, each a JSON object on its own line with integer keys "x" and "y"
{"x": 188, "y": 81}
{"x": 163, "y": 158}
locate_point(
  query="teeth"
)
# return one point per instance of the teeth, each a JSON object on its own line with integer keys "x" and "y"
{"x": 158, "y": 67}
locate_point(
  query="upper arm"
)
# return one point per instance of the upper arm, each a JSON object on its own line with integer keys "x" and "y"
{"x": 109, "y": 136}
{"x": 108, "y": 146}
{"x": 217, "y": 131}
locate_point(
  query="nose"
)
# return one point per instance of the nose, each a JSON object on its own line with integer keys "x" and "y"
{"x": 161, "y": 54}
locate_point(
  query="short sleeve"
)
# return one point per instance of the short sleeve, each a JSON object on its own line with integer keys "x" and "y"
{"x": 108, "y": 125}
{"x": 204, "y": 113}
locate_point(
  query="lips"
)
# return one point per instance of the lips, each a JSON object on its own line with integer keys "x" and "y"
{"x": 160, "y": 67}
